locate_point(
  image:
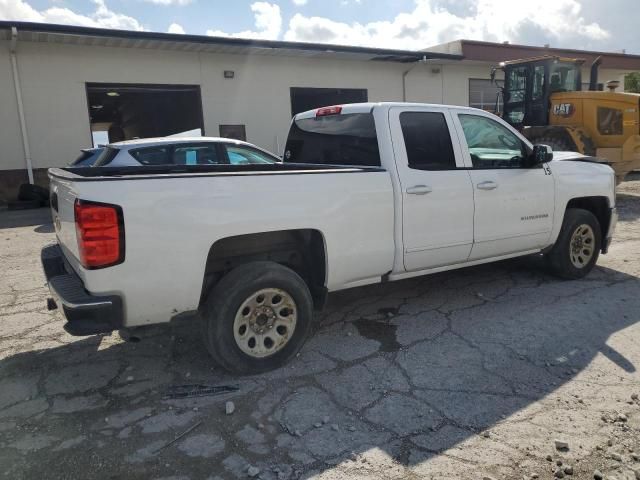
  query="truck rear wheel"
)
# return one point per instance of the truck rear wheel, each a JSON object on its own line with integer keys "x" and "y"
{"x": 578, "y": 246}
{"x": 257, "y": 317}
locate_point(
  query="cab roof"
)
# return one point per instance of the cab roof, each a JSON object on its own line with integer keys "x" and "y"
{"x": 368, "y": 107}
{"x": 577, "y": 61}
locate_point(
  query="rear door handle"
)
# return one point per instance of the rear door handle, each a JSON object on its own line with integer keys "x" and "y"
{"x": 488, "y": 185}
{"x": 419, "y": 190}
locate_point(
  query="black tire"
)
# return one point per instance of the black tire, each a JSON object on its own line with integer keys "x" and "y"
{"x": 224, "y": 301}
{"x": 557, "y": 144}
{"x": 559, "y": 258}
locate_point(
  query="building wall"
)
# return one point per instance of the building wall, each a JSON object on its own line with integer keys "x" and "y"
{"x": 11, "y": 152}
{"x": 259, "y": 95}
{"x": 53, "y": 79}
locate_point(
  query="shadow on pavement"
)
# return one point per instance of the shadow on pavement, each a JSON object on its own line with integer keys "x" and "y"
{"x": 469, "y": 348}
{"x": 26, "y": 218}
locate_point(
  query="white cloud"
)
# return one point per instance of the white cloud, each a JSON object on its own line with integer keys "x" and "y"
{"x": 101, "y": 17}
{"x": 588, "y": 24}
{"x": 268, "y": 22}
{"x": 175, "y": 28}
{"x": 179, "y": 3}
{"x": 299, "y": 2}
{"x": 434, "y": 21}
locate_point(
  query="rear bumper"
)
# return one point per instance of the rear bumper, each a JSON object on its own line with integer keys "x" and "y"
{"x": 613, "y": 221}
{"x": 86, "y": 314}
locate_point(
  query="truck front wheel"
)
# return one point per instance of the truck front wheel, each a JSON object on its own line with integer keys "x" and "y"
{"x": 578, "y": 246}
{"x": 257, "y": 317}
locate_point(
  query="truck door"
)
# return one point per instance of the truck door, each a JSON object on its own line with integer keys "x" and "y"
{"x": 437, "y": 196}
{"x": 514, "y": 203}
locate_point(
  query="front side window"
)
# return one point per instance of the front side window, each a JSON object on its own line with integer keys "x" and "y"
{"x": 517, "y": 84}
{"x": 427, "y": 141}
{"x": 609, "y": 121}
{"x": 247, "y": 156}
{"x": 492, "y": 145}
{"x": 195, "y": 155}
{"x": 344, "y": 139}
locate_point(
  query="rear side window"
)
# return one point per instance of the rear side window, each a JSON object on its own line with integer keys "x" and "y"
{"x": 196, "y": 155}
{"x": 348, "y": 139}
{"x": 105, "y": 158}
{"x": 152, "y": 155}
{"x": 427, "y": 140}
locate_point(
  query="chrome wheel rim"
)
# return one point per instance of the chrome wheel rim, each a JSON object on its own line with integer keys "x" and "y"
{"x": 265, "y": 322}
{"x": 582, "y": 246}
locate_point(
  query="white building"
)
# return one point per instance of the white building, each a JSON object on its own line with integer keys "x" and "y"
{"x": 65, "y": 88}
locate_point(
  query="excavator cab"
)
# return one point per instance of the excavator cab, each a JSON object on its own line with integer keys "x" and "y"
{"x": 543, "y": 98}
{"x": 528, "y": 85}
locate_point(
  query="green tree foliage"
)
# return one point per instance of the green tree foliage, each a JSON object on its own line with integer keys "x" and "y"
{"x": 632, "y": 82}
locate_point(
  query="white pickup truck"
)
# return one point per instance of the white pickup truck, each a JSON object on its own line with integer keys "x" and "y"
{"x": 367, "y": 193}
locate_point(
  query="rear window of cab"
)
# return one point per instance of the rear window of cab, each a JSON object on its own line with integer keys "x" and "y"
{"x": 348, "y": 139}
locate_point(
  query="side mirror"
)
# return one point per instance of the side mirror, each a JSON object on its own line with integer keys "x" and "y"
{"x": 541, "y": 154}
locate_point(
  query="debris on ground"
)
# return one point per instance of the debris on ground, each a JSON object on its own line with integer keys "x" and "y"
{"x": 253, "y": 471}
{"x": 189, "y": 391}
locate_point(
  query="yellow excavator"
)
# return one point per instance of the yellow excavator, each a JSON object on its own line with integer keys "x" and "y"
{"x": 543, "y": 98}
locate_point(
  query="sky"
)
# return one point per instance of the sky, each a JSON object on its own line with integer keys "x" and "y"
{"x": 604, "y": 25}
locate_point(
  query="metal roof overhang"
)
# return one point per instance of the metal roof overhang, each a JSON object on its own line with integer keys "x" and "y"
{"x": 74, "y": 35}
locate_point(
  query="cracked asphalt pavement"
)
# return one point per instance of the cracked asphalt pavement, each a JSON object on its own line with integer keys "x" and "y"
{"x": 488, "y": 372}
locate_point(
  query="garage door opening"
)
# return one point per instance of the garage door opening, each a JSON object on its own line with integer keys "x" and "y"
{"x": 303, "y": 99}
{"x": 127, "y": 111}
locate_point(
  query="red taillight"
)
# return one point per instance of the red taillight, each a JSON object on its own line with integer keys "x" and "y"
{"x": 324, "y": 111}
{"x": 100, "y": 233}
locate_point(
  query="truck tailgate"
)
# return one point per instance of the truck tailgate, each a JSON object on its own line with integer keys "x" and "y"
{"x": 63, "y": 197}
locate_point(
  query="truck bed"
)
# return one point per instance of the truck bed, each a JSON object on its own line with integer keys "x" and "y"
{"x": 174, "y": 215}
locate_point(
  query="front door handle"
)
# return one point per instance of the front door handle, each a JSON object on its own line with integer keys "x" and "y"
{"x": 488, "y": 185}
{"x": 419, "y": 190}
